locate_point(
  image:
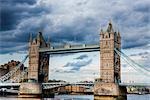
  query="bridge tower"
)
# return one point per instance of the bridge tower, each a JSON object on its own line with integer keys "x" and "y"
{"x": 38, "y": 62}
{"x": 107, "y": 86}
{"x": 38, "y": 68}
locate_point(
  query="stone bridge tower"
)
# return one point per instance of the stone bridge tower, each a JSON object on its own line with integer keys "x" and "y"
{"x": 37, "y": 70}
{"x": 38, "y": 62}
{"x": 109, "y": 60}
{"x": 107, "y": 86}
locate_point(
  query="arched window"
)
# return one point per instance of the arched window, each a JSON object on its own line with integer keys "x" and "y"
{"x": 106, "y": 42}
{"x": 106, "y": 36}
{"x": 103, "y": 35}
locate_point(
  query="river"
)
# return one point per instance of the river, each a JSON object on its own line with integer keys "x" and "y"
{"x": 81, "y": 97}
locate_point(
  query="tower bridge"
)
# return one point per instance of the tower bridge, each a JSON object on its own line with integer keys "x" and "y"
{"x": 107, "y": 86}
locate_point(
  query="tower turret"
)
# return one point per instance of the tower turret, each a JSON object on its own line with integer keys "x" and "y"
{"x": 30, "y": 38}
{"x": 110, "y": 27}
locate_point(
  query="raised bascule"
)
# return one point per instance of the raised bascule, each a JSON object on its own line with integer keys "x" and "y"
{"x": 107, "y": 87}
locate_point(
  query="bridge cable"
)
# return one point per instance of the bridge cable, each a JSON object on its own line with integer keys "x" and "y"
{"x": 10, "y": 73}
{"x": 128, "y": 62}
{"x": 131, "y": 63}
{"x": 138, "y": 67}
{"x": 134, "y": 61}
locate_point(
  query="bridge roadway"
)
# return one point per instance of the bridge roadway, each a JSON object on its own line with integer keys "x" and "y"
{"x": 3, "y": 86}
{"x": 70, "y": 49}
{"x": 85, "y": 84}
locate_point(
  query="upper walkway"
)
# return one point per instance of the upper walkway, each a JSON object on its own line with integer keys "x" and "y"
{"x": 70, "y": 49}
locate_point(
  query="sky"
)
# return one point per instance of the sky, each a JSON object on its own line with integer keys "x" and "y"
{"x": 76, "y": 22}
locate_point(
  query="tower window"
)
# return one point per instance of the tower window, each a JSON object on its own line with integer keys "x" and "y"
{"x": 103, "y": 35}
{"x": 109, "y": 35}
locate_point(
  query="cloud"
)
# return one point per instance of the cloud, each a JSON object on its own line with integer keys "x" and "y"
{"x": 78, "y": 64}
{"x": 140, "y": 54}
{"x": 82, "y": 57}
{"x": 12, "y": 11}
{"x": 63, "y": 71}
{"x": 73, "y": 21}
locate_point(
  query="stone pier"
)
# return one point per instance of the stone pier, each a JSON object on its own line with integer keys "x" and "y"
{"x": 109, "y": 91}
{"x": 30, "y": 90}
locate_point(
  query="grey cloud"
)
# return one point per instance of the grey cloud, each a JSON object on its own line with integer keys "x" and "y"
{"x": 80, "y": 23}
{"x": 82, "y": 57}
{"x": 77, "y": 65}
{"x": 142, "y": 7}
{"x": 140, "y": 54}
{"x": 14, "y": 2}
{"x": 124, "y": 65}
{"x": 12, "y": 13}
{"x": 64, "y": 71}
{"x": 61, "y": 55}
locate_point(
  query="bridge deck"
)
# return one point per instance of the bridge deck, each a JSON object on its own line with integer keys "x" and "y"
{"x": 134, "y": 84}
{"x": 70, "y": 49}
{"x": 92, "y": 84}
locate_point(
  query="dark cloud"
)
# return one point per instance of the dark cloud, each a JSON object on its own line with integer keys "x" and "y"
{"x": 12, "y": 11}
{"x": 77, "y": 32}
{"x": 140, "y": 54}
{"x": 82, "y": 57}
{"x": 80, "y": 24}
{"x": 13, "y": 29}
{"x": 131, "y": 44}
{"x": 133, "y": 23}
{"x": 14, "y": 2}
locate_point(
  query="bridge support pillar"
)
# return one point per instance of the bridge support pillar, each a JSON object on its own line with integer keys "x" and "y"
{"x": 30, "y": 90}
{"x": 109, "y": 91}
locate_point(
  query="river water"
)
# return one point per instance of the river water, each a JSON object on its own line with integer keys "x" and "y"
{"x": 81, "y": 97}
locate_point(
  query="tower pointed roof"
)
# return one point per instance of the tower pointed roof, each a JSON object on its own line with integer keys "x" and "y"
{"x": 118, "y": 34}
{"x": 110, "y": 27}
{"x": 48, "y": 40}
{"x": 39, "y": 36}
{"x": 30, "y": 38}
